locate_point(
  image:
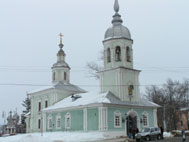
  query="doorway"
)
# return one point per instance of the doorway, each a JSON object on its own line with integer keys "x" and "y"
{"x": 131, "y": 122}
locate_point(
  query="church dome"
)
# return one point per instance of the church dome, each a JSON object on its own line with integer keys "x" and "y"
{"x": 61, "y": 64}
{"x": 117, "y": 30}
{"x": 15, "y": 116}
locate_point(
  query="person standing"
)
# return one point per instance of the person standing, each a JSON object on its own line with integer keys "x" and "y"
{"x": 162, "y": 130}
{"x": 183, "y": 135}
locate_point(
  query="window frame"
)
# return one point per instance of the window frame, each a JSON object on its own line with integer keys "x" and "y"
{"x": 118, "y": 56}
{"x": 54, "y": 76}
{"x": 50, "y": 125}
{"x": 128, "y": 54}
{"x": 67, "y": 116}
{"x": 39, "y": 124}
{"x": 108, "y": 55}
{"x": 118, "y": 115}
{"x": 58, "y": 117}
{"x": 145, "y": 119}
{"x": 65, "y": 76}
{"x": 39, "y": 106}
{"x": 46, "y": 103}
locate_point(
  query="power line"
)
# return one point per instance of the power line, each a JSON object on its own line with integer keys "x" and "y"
{"x": 25, "y": 84}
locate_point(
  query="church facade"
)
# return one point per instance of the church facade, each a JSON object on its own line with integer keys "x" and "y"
{"x": 115, "y": 110}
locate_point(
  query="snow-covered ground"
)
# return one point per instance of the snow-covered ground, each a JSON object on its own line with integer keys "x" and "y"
{"x": 167, "y": 134}
{"x": 56, "y": 137}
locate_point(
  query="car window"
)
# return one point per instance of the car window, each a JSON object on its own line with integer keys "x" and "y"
{"x": 152, "y": 129}
{"x": 156, "y": 129}
{"x": 146, "y": 130}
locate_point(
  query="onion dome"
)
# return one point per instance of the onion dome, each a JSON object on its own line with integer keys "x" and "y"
{"x": 117, "y": 30}
{"x": 61, "y": 56}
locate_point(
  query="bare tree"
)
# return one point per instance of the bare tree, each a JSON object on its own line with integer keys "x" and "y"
{"x": 94, "y": 68}
{"x": 171, "y": 96}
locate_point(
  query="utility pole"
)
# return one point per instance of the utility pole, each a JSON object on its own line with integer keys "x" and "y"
{"x": 164, "y": 121}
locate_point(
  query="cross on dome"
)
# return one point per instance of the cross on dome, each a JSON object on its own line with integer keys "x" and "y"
{"x": 61, "y": 35}
{"x": 61, "y": 45}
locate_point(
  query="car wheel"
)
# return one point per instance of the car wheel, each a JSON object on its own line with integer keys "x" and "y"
{"x": 148, "y": 138}
{"x": 138, "y": 140}
{"x": 159, "y": 137}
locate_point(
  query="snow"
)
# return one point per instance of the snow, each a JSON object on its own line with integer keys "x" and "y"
{"x": 41, "y": 89}
{"x": 60, "y": 86}
{"x": 167, "y": 134}
{"x": 56, "y": 137}
{"x": 86, "y": 98}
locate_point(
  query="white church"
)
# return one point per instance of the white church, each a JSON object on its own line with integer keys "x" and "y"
{"x": 114, "y": 110}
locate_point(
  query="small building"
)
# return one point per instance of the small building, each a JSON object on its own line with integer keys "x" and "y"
{"x": 116, "y": 110}
{"x": 183, "y": 118}
{"x": 13, "y": 126}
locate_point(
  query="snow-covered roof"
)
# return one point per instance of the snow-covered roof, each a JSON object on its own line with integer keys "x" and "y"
{"x": 83, "y": 99}
{"x": 60, "y": 86}
{"x": 96, "y": 98}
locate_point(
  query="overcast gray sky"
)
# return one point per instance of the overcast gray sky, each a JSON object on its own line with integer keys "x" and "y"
{"x": 29, "y": 41}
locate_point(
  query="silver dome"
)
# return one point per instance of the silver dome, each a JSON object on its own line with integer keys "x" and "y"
{"x": 117, "y": 31}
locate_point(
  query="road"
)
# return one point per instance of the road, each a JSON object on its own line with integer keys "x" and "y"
{"x": 174, "y": 139}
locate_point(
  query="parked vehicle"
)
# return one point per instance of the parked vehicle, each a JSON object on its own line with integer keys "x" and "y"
{"x": 148, "y": 134}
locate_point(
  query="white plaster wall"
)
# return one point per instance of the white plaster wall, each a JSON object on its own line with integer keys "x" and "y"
{"x": 118, "y": 80}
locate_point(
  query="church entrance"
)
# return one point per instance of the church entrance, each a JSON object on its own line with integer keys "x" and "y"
{"x": 131, "y": 123}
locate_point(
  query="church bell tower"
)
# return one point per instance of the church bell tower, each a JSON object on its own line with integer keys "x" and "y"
{"x": 118, "y": 76}
{"x": 61, "y": 70}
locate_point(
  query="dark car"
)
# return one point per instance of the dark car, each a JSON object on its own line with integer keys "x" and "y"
{"x": 148, "y": 134}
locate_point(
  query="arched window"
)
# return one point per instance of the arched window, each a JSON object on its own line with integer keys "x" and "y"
{"x": 145, "y": 119}
{"x": 117, "y": 119}
{"x": 50, "y": 124}
{"x": 46, "y": 103}
{"x": 128, "y": 54}
{"x": 58, "y": 121}
{"x": 118, "y": 54}
{"x": 108, "y": 55}
{"x": 67, "y": 121}
{"x": 64, "y": 75}
{"x": 54, "y": 76}
{"x": 39, "y": 106}
{"x": 39, "y": 123}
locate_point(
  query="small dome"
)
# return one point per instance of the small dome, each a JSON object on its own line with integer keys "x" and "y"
{"x": 117, "y": 31}
{"x": 61, "y": 64}
{"x": 15, "y": 116}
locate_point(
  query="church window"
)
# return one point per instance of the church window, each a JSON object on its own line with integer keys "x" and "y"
{"x": 50, "y": 123}
{"x": 145, "y": 119}
{"x": 39, "y": 123}
{"x": 58, "y": 122}
{"x": 54, "y": 76}
{"x": 108, "y": 55}
{"x": 67, "y": 121}
{"x": 46, "y": 104}
{"x": 128, "y": 54}
{"x": 64, "y": 75}
{"x": 117, "y": 120}
{"x": 39, "y": 106}
{"x": 118, "y": 54}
